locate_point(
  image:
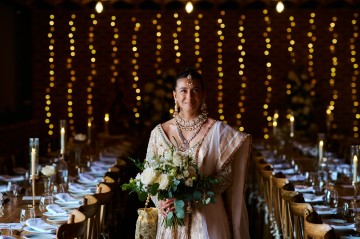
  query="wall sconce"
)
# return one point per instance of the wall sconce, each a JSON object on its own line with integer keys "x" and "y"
{"x": 99, "y": 7}
{"x": 189, "y": 7}
{"x": 280, "y": 6}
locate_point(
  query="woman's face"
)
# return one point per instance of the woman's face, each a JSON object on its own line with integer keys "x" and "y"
{"x": 189, "y": 95}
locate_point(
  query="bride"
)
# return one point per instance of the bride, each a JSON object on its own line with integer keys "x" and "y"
{"x": 218, "y": 150}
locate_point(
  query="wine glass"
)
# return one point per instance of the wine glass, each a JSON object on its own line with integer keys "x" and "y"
{"x": 44, "y": 201}
{"x": 25, "y": 214}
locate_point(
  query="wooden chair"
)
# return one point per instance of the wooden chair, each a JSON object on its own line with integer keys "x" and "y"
{"x": 287, "y": 192}
{"x": 315, "y": 229}
{"x": 266, "y": 173}
{"x": 104, "y": 196}
{"x": 89, "y": 209}
{"x": 278, "y": 181}
{"x": 74, "y": 228}
{"x": 299, "y": 209}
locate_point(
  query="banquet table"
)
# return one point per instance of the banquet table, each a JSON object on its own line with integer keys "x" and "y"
{"x": 297, "y": 168}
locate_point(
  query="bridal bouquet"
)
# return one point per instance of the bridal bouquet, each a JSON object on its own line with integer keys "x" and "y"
{"x": 172, "y": 175}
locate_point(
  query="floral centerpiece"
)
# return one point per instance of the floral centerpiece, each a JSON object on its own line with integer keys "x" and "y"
{"x": 48, "y": 171}
{"x": 173, "y": 175}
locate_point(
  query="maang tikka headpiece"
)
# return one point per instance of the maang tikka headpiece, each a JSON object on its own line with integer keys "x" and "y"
{"x": 190, "y": 81}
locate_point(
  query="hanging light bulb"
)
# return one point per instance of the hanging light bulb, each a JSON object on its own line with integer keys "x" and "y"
{"x": 189, "y": 7}
{"x": 280, "y": 7}
{"x": 99, "y": 7}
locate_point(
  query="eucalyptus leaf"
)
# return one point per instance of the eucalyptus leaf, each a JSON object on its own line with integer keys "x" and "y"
{"x": 169, "y": 215}
{"x": 180, "y": 214}
{"x": 179, "y": 203}
{"x": 210, "y": 194}
{"x": 207, "y": 201}
{"x": 197, "y": 195}
{"x": 142, "y": 196}
{"x": 154, "y": 188}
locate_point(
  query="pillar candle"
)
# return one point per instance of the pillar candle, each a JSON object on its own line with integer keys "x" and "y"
{"x": 33, "y": 162}
{"x": 292, "y": 119}
{"x": 89, "y": 130}
{"x": 321, "y": 150}
{"x": 355, "y": 163}
{"x": 106, "y": 123}
{"x": 62, "y": 140}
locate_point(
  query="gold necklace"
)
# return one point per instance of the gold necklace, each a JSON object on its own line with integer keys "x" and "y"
{"x": 189, "y": 125}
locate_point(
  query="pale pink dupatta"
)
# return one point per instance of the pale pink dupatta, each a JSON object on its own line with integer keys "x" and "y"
{"x": 224, "y": 146}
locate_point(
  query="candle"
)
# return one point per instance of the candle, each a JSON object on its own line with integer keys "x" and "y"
{"x": 106, "y": 123}
{"x": 33, "y": 162}
{"x": 355, "y": 163}
{"x": 62, "y": 140}
{"x": 321, "y": 150}
{"x": 292, "y": 119}
{"x": 89, "y": 129}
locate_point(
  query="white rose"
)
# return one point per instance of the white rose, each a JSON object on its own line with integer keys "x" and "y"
{"x": 167, "y": 155}
{"x": 148, "y": 176}
{"x": 177, "y": 160}
{"x": 163, "y": 181}
{"x": 48, "y": 170}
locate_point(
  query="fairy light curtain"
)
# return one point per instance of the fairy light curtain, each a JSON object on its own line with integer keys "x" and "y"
{"x": 244, "y": 58}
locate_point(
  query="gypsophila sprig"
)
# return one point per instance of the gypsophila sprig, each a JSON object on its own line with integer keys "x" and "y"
{"x": 173, "y": 175}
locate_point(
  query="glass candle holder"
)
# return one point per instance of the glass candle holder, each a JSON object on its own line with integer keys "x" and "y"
{"x": 34, "y": 155}
{"x": 62, "y": 137}
{"x": 321, "y": 148}
{"x": 354, "y": 159}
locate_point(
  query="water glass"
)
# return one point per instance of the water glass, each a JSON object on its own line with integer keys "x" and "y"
{"x": 12, "y": 189}
{"x": 349, "y": 211}
{"x": 25, "y": 214}
{"x": 331, "y": 197}
{"x": 44, "y": 201}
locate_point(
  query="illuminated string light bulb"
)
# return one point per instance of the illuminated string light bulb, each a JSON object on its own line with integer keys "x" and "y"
{"x": 280, "y": 7}
{"x": 189, "y": 7}
{"x": 99, "y": 7}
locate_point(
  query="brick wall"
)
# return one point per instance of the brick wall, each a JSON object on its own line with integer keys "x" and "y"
{"x": 255, "y": 62}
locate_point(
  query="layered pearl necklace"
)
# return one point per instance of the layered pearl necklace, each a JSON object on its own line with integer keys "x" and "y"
{"x": 190, "y": 125}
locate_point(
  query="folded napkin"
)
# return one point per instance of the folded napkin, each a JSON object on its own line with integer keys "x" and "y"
{"x": 285, "y": 171}
{"x": 56, "y": 210}
{"x": 66, "y": 198}
{"x": 87, "y": 178}
{"x": 3, "y": 188}
{"x": 40, "y": 225}
{"x": 98, "y": 169}
{"x": 339, "y": 224}
{"x": 297, "y": 177}
{"x": 304, "y": 189}
{"x": 313, "y": 198}
{"x": 76, "y": 187}
{"x": 8, "y": 178}
{"x": 281, "y": 165}
{"x": 102, "y": 164}
{"x": 108, "y": 159}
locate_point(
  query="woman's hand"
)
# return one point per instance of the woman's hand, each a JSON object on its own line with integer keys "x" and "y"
{"x": 167, "y": 206}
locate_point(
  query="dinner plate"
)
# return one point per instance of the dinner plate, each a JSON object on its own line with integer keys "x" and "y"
{"x": 29, "y": 229}
{"x": 58, "y": 220}
{"x": 40, "y": 236}
{"x": 49, "y": 214}
{"x": 67, "y": 203}
{"x": 91, "y": 183}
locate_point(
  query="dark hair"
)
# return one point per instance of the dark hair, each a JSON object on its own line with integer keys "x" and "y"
{"x": 194, "y": 75}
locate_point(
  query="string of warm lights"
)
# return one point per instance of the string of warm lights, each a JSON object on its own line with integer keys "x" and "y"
{"x": 197, "y": 41}
{"x": 72, "y": 74}
{"x": 267, "y": 82}
{"x": 135, "y": 70}
{"x": 290, "y": 48}
{"x": 91, "y": 76}
{"x": 311, "y": 44}
{"x": 114, "y": 55}
{"x": 51, "y": 74}
{"x": 335, "y": 96}
{"x": 219, "y": 66}
{"x": 355, "y": 76}
{"x": 158, "y": 45}
{"x": 242, "y": 96}
{"x": 176, "y": 40}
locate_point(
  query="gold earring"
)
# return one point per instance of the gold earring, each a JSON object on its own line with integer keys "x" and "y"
{"x": 203, "y": 106}
{"x": 176, "y": 107}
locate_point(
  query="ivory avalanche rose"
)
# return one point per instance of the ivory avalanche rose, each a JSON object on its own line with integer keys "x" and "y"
{"x": 177, "y": 160}
{"x": 48, "y": 170}
{"x": 148, "y": 176}
{"x": 163, "y": 181}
